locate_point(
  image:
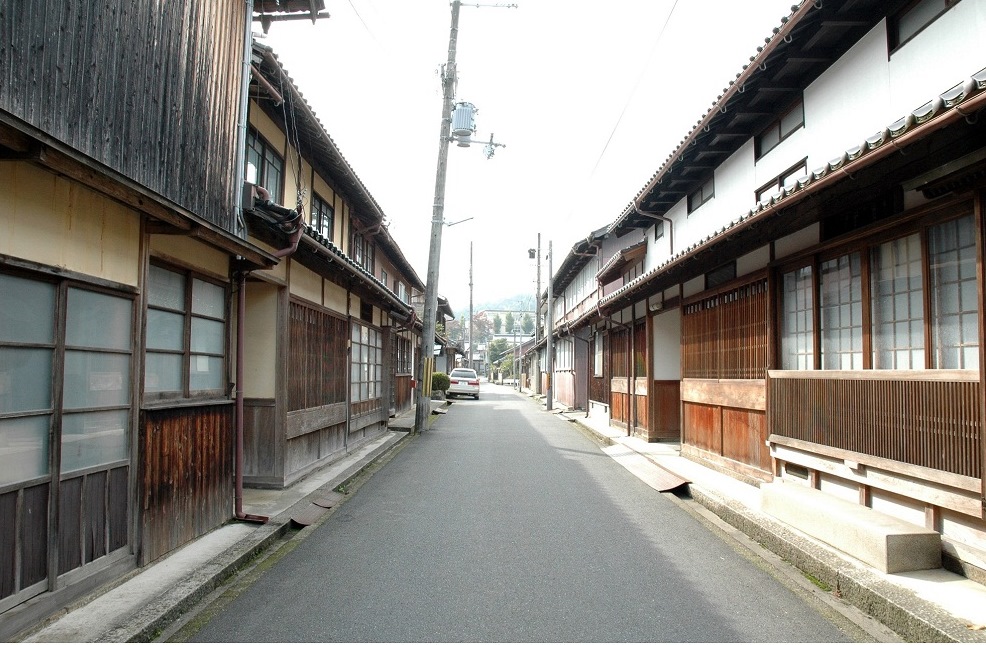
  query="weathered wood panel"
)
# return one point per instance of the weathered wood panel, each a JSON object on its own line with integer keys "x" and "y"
{"x": 702, "y": 427}
{"x": 748, "y": 394}
{"x": 402, "y": 392}
{"x": 151, "y": 90}
{"x": 928, "y": 418}
{"x": 187, "y": 475}
{"x": 23, "y": 538}
{"x": 599, "y": 385}
{"x": 260, "y": 444}
{"x": 317, "y": 374}
{"x": 666, "y": 417}
{"x": 744, "y": 437}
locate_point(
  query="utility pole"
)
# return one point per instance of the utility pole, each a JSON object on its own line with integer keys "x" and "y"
{"x": 427, "y": 358}
{"x": 550, "y": 336}
{"x": 471, "y": 366}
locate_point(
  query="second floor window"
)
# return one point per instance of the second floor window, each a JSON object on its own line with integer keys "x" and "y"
{"x": 264, "y": 166}
{"x": 780, "y": 129}
{"x": 704, "y": 193}
{"x": 785, "y": 179}
{"x": 362, "y": 252}
{"x": 914, "y": 17}
{"x": 323, "y": 217}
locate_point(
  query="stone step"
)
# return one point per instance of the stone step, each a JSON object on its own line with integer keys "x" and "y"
{"x": 880, "y": 540}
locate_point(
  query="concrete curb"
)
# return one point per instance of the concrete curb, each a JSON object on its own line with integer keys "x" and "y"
{"x": 155, "y": 617}
{"x": 899, "y": 609}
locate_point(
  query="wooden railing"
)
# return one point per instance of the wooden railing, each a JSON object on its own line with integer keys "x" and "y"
{"x": 928, "y": 418}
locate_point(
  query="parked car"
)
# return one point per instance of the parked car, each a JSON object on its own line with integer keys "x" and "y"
{"x": 463, "y": 381}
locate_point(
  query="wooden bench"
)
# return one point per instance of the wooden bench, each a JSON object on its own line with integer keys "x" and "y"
{"x": 880, "y": 540}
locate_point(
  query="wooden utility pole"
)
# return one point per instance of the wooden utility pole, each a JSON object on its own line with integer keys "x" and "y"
{"x": 426, "y": 359}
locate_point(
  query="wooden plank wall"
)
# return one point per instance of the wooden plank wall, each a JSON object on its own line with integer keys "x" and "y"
{"x": 925, "y": 418}
{"x": 186, "y": 475}
{"x": 150, "y": 89}
{"x": 23, "y": 538}
{"x": 317, "y": 356}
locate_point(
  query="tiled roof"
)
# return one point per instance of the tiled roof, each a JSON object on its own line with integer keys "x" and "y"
{"x": 325, "y": 151}
{"x": 956, "y": 102}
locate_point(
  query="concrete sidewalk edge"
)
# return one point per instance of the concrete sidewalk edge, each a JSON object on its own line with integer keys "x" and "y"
{"x": 899, "y": 609}
{"x": 155, "y": 617}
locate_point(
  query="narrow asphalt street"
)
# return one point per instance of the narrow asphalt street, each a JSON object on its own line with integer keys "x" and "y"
{"x": 504, "y": 523}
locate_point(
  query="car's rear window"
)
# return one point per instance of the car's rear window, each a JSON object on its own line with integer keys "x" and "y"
{"x": 463, "y": 373}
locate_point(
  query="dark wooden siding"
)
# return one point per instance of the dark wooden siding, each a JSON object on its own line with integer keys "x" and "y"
{"x": 23, "y": 538}
{"x": 151, "y": 90}
{"x": 926, "y": 418}
{"x": 318, "y": 372}
{"x": 187, "y": 475}
{"x": 598, "y": 385}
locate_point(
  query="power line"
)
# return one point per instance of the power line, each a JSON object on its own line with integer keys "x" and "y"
{"x": 633, "y": 92}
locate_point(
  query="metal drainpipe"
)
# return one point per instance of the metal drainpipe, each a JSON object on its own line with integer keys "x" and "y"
{"x": 663, "y": 219}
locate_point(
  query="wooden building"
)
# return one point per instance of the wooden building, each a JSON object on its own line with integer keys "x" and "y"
{"x": 124, "y": 249}
{"x": 330, "y": 330}
{"x": 807, "y": 304}
{"x": 118, "y": 155}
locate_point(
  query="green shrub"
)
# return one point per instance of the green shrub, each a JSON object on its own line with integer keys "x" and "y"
{"x": 440, "y": 381}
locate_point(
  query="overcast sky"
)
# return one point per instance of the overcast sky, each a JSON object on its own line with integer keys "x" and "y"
{"x": 589, "y": 98}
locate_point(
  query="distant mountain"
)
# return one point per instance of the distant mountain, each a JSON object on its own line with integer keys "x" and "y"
{"x": 511, "y": 303}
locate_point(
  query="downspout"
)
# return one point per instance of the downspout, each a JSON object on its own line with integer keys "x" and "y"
{"x": 349, "y": 361}
{"x": 241, "y": 231}
{"x": 663, "y": 219}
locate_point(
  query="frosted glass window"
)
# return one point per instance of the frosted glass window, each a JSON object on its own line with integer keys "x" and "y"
{"x": 179, "y": 362}
{"x": 208, "y": 336}
{"x": 95, "y": 380}
{"x": 205, "y": 373}
{"x": 92, "y": 439}
{"x": 208, "y": 299}
{"x": 954, "y": 296}
{"x": 162, "y": 372}
{"x": 23, "y": 448}
{"x": 25, "y": 379}
{"x": 165, "y": 330}
{"x": 797, "y": 325}
{"x": 98, "y": 320}
{"x": 27, "y": 311}
{"x": 840, "y": 302}
{"x": 165, "y": 289}
{"x": 898, "y": 304}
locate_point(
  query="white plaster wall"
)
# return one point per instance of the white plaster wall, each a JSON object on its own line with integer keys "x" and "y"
{"x": 848, "y": 102}
{"x": 752, "y": 262}
{"x": 945, "y": 53}
{"x": 667, "y": 346}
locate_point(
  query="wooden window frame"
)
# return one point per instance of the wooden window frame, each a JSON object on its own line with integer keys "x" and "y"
{"x": 920, "y": 222}
{"x": 894, "y": 39}
{"x": 777, "y": 127}
{"x": 323, "y": 217}
{"x": 189, "y": 276}
{"x": 777, "y": 183}
{"x": 700, "y": 196}
{"x": 257, "y": 144}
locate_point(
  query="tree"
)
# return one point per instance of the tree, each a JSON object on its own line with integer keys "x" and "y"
{"x": 528, "y": 324}
{"x": 509, "y": 329}
{"x": 497, "y": 323}
{"x": 496, "y": 350}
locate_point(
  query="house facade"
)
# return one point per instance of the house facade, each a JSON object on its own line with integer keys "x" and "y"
{"x": 808, "y": 299}
{"x": 343, "y": 297}
{"x": 166, "y": 330}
